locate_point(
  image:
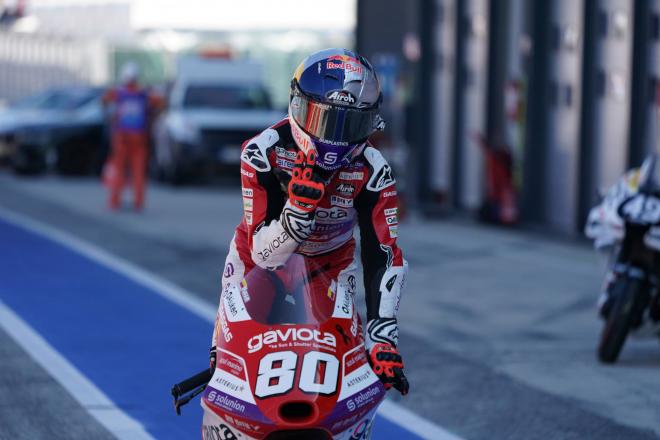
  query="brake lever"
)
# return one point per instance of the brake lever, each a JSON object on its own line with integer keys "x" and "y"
{"x": 181, "y": 401}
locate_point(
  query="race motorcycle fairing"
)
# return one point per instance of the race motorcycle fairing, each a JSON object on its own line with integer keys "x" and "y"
{"x": 627, "y": 226}
{"x": 604, "y": 225}
{"x": 291, "y": 360}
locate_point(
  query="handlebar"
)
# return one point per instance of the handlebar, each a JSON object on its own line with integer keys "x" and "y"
{"x": 193, "y": 385}
{"x": 201, "y": 378}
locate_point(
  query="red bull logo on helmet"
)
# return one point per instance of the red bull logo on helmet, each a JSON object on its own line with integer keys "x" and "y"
{"x": 349, "y": 64}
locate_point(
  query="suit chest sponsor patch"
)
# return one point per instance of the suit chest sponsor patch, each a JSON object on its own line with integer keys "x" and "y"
{"x": 351, "y": 175}
{"x": 341, "y": 201}
{"x": 287, "y": 154}
{"x": 284, "y": 163}
{"x": 345, "y": 189}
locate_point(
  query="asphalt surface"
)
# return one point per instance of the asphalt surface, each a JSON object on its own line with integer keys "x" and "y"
{"x": 498, "y": 326}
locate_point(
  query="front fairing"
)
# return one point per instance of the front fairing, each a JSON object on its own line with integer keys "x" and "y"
{"x": 223, "y": 427}
{"x": 291, "y": 354}
{"x": 604, "y": 225}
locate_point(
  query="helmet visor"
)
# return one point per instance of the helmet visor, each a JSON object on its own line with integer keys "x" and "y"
{"x": 333, "y": 124}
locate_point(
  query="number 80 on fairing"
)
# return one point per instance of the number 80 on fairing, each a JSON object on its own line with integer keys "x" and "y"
{"x": 277, "y": 371}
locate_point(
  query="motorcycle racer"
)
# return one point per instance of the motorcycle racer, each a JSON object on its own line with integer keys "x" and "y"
{"x": 310, "y": 179}
{"x": 605, "y": 226}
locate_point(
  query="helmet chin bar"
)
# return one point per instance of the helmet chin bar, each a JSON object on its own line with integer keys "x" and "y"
{"x": 302, "y": 139}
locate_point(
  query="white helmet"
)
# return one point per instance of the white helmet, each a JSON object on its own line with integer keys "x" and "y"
{"x": 129, "y": 72}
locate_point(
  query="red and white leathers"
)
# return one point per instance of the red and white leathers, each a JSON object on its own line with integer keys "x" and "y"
{"x": 362, "y": 193}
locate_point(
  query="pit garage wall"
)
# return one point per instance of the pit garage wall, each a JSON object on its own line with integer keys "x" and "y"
{"x": 576, "y": 140}
{"x": 652, "y": 101}
{"x": 442, "y": 92}
{"x": 645, "y": 119}
{"x": 514, "y": 100}
{"x": 471, "y": 101}
{"x": 561, "y": 155}
{"x": 607, "y": 97}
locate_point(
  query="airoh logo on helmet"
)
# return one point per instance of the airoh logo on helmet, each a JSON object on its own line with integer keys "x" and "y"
{"x": 341, "y": 97}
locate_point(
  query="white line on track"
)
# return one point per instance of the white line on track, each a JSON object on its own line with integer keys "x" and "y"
{"x": 205, "y": 310}
{"x": 97, "y": 404}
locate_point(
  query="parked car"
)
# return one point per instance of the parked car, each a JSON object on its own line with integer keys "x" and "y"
{"x": 12, "y": 118}
{"x": 214, "y": 106}
{"x": 62, "y": 129}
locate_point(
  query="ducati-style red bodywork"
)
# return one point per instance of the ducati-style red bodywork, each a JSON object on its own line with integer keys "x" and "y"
{"x": 291, "y": 361}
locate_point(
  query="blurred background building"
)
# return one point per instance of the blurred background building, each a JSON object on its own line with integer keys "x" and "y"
{"x": 63, "y": 42}
{"x": 520, "y": 111}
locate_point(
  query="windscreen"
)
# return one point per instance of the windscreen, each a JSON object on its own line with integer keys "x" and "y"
{"x": 32, "y": 101}
{"x": 59, "y": 99}
{"x": 300, "y": 292}
{"x": 225, "y": 96}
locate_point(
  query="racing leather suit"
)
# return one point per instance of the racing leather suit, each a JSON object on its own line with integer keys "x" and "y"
{"x": 361, "y": 193}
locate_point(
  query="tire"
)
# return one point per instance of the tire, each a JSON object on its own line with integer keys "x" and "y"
{"x": 24, "y": 164}
{"x": 627, "y": 293}
{"x": 76, "y": 159}
{"x": 174, "y": 175}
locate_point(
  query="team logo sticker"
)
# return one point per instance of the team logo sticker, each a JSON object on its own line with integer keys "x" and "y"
{"x": 341, "y": 201}
{"x": 394, "y": 231}
{"x": 346, "y": 189}
{"x": 341, "y": 97}
{"x": 229, "y": 270}
{"x": 253, "y": 156}
{"x": 355, "y": 175}
{"x": 382, "y": 179}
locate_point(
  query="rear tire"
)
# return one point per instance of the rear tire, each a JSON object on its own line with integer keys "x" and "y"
{"x": 625, "y": 311}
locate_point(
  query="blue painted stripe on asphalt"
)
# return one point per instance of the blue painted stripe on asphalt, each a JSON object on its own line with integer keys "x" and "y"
{"x": 126, "y": 339}
{"x": 131, "y": 342}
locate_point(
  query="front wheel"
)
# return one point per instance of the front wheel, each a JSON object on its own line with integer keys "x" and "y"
{"x": 626, "y": 293}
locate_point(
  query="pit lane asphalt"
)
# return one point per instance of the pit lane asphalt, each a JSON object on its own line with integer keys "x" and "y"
{"x": 498, "y": 327}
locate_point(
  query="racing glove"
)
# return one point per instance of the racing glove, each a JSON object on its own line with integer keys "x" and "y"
{"x": 384, "y": 358}
{"x": 305, "y": 187}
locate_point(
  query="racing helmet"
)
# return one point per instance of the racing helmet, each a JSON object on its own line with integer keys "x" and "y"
{"x": 129, "y": 73}
{"x": 334, "y": 105}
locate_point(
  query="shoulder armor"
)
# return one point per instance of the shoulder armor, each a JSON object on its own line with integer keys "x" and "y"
{"x": 255, "y": 152}
{"x": 381, "y": 173}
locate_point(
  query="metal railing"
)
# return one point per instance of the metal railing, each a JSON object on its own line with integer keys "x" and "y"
{"x": 33, "y": 62}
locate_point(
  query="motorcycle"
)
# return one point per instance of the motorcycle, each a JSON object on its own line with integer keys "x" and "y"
{"x": 627, "y": 223}
{"x": 291, "y": 361}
